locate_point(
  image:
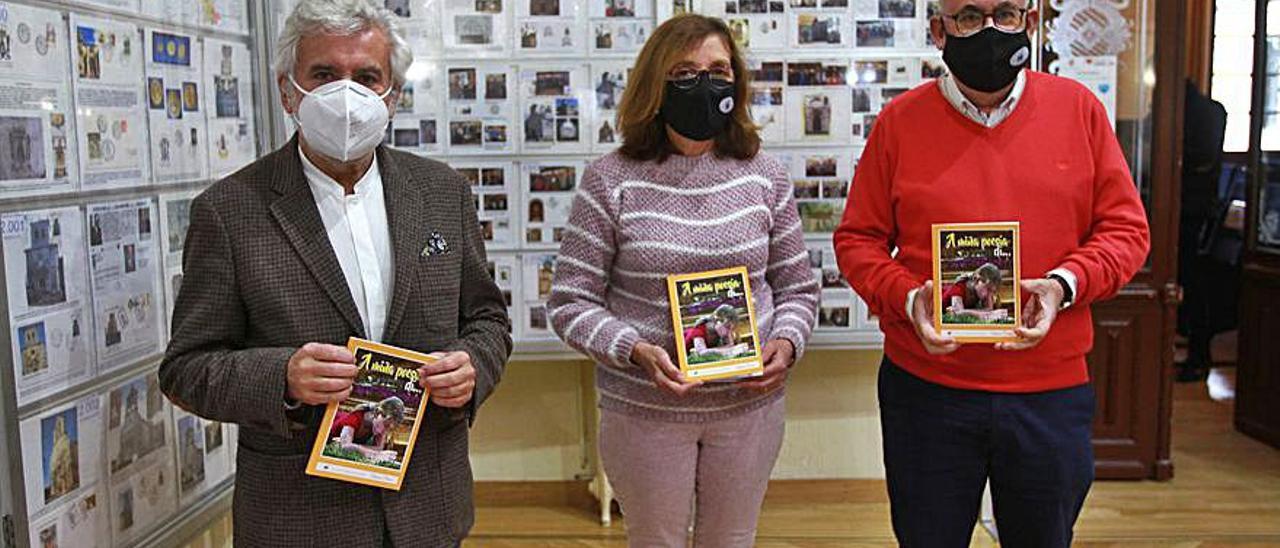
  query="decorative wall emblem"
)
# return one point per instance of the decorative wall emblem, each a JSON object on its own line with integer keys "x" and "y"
{"x": 1089, "y": 28}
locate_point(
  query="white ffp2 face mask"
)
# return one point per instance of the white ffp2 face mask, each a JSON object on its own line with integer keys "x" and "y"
{"x": 342, "y": 120}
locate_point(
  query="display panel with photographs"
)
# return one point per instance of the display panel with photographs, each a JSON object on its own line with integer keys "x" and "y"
{"x": 48, "y": 301}
{"x": 482, "y": 108}
{"x": 223, "y": 15}
{"x": 550, "y": 27}
{"x": 477, "y": 27}
{"x": 539, "y": 269}
{"x": 204, "y": 457}
{"x": 553, "y": 108}
{"x": 666, "y": 9}
{"x": 619, "y": 26}
{"x": 505, "y": 269}
{"x": 756, "y": 25}
{"x": 80, "y": 522}
{"x": 131, "y": 6}
{"x": 837, "y": 303}
{"x": 624, "y": 36}
{"x": 420, "y": 22}
{"x": 768, "y": 82}
{"x": 179, "y": 134}
{"x": 175, "y": 217}
{"x": 493, "y": 185}
{"x": 818, "y": 102}
{"x": 609, "y": 80}
{"x": 818, "y": 24}
{"x": 142, "y": 499}
{"x": 111, "y": 127}
{"x": 61, "y": 454}
{"x": 820, "y": 178}
{"x": 123, "y": 271}
{"x": 548, "y": 191}
{"x": 229, "y": 107}
{"x": 876, "y": 82}
{"x": 36, "y": 115}
{"x": 418, "y": 124}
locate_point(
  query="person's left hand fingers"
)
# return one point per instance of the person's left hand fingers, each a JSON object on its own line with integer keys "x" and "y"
{"x": 774, "y": 375}
{"x": 444, "y": 363}
{"x": 455, "y": 377}
{"x": 1029, "y": 337}
{"x": 455, "y": 391}
{"x": 452, "y": 403}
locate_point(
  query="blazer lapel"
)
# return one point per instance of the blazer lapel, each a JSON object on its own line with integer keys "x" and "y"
{"x": 299, "y": 218}
{"x": 408, "y": 219}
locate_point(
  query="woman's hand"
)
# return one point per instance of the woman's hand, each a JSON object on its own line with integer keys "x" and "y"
{"x": 778, "y": 355}
{"x": 665, "y": 374}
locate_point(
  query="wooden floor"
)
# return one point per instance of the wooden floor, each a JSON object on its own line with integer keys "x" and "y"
{"x": 1226, "y": 492}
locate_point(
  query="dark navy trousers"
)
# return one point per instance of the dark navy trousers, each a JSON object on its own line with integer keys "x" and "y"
{"x": 942, "y": 444}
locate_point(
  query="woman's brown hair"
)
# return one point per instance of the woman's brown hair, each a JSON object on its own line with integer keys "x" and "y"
{"x": 644, "y": 134}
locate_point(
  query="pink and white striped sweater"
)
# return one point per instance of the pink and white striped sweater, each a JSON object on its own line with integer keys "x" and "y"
{"x": 633, "y": 224}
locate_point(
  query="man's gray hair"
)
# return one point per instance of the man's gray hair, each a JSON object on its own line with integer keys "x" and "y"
{"x": 341, "y": 17}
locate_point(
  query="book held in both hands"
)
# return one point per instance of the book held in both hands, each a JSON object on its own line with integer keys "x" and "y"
{"x": 715, "y": 325}
{"x": 368, "y": 438}
{"x": 977, "y": 297}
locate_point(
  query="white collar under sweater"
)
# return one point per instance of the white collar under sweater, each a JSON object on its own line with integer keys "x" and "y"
{"x": 947, "y": 84}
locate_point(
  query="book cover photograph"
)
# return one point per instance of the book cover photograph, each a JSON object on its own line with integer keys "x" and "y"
{"x": 368, "y": 438}
{"x": 715, "y": 325}
{"x": 977, "y": 296}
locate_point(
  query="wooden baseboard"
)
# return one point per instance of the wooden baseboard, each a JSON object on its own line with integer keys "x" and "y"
{"x": 576, "y": 494}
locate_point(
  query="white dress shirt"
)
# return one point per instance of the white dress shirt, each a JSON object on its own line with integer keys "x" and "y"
{"x": 361, "y": 238}
{"x": 951, "y": 91}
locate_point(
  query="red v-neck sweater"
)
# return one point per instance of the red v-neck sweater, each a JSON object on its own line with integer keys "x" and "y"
{"x": 1054, "y": 165}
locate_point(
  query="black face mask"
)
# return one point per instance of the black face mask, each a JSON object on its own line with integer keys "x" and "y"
{"x": 698, "y": 108}
{"x": 989, "y": 60}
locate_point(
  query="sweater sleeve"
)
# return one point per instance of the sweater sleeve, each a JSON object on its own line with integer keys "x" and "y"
{"x": 795, "y": 289}
{"x": 576, "y": 306}
{"x": 866, "y": 236}
{"x": 1119, "y": 238}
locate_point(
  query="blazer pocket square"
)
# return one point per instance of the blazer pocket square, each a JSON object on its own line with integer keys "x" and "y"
{"x": 436, "y": 245}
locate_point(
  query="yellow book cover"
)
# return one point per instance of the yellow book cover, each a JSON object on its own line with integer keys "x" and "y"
{"x": 368, "y": 438}
{"x": 977, "y": 295}
{"x": 715, "y": 324}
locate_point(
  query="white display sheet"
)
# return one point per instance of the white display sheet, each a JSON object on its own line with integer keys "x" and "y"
{"x": 175, "y": 217}
{"x": 61, "y": 454}
{"x": 418, "y": 121}
{"x": 111, "y": 109}
{"x": 48, "y": 296}
{"x": 224, "y": 15}
{"x": 124, "y": 269}
{"x": 548, "y": 190}
{"x": 480, "y": 27}
{"x": 140, "y": 459}
{"x": 481, "y": 108}
{"x": 608, "y": 82}
{"x": 554, "y": 109}
{"x": 179, "y": 133}
{"x": 204, "y": 455}
{"x": 36, "y": 114}
{"x": 538, "y": 271}
{"x": 505, "y": 269}
{"x": 550, "y": 27}
{"x": 228, "y": 107}
{"x": 497, "y": 201}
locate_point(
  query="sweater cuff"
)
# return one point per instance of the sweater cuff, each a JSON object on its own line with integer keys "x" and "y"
{"x": 620, "y": 351}
{"x": 903, "y": 291}
{"x": 795, "y": 337}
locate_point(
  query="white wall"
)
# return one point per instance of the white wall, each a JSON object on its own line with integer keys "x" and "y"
{"x": 534, "y": 426}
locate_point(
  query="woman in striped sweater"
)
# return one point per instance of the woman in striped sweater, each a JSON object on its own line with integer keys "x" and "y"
{"x": 689, "y": 191}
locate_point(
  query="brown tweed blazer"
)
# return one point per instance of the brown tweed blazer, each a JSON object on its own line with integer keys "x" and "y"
{"x": 261, "y": 280}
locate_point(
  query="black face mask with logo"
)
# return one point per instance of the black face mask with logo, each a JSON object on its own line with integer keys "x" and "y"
{"x": 698, "y": 108}
{"x": 989, "y": 60}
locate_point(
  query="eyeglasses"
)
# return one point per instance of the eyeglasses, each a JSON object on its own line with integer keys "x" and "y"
{"x": 971, "y": 20}
{"x": 688, "y": 77}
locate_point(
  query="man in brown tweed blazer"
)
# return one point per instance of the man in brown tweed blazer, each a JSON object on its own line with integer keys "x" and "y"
{"x": 295, "y": 253}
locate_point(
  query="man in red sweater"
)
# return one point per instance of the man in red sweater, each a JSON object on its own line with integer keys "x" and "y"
{"x": 990, "y": 141}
